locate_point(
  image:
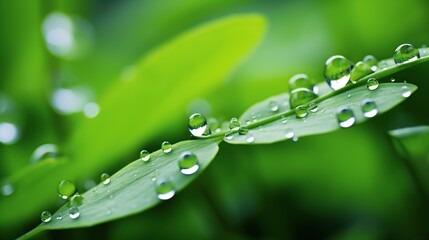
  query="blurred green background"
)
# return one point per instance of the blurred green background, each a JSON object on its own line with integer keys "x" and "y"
{"x": 349, "y": 184}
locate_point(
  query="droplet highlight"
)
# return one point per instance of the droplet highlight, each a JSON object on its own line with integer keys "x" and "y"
{"x": 188, "y": 163}
{"x": 46, "y": 216}
{"x": 105, "y": 178}
{"x": 301, "y": 112}
{"x": 74, "y": 212}
{"x": 345, "y": 117}
{"x": 166, "y": 147}
{"x": 372, "y": 84}
{"x": 405, "y": 91}
{"x": 369, "y": 108}
{"x": 273, "y": 106}
{"x": 165, "y": 190}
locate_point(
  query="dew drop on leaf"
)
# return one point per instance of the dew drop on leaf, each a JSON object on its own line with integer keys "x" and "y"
{"x": 405, "y": 91}
{"x": 371, "y": 61}
{"x": 243, "y": 130}
{"x": 345, "y": 117}
{"x": 188, "y": 163}
{"x": 46, "y": 216}
{"x": 250, "y": 138}
{"x": 165, "y": 190}
{"x": 337, "y": 71}
{"x": 74, "y": 212}
{"x": 197, "y": 125}
{"x": 229, "y": 136}
{"x": 302, "y": 81}
{"x": 361, "y": 69}
{"x": 301, "y": 112}
{"x": 372, "y": 84}
{"x": 405, "y": 53}
{"x": 144, "y": 155}
{"x": 273, "y": 106}
{"x": 369, "y": 108}
{"x": 301, "y": 96}
{"x": 289, "y": 133}
{"x": 166, "y": 147}
{"x": 66, "y": 189}
{"x": 312, "y": 107}
{"x": 234, "y": 124}
{"x": 105, "y": 178}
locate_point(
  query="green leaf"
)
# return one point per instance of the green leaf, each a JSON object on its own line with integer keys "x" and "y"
{"x": 132, "y": 189}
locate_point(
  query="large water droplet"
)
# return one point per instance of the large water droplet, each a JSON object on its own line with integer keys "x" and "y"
{"x": 76, "y": 200}
{"x": 45, "y": 151}
{"x": 371, "y": 61}
{"x": 165, "y": 190}
{"x": 188, "y": 163}
{"x": 405, "y": 91}
{"x": 273, "y": 106}
{"x": 144, "y": 155}
{"x": 74, "y": 212}
{"x": 369, "y": 108}
{"x": 301, "y": 112}
{"x": 46, "y": 216}
{"x": 166, "y": 147}
{"x": 405, "y": 53}
{"x": 105, "y": 178}
{"x": 301, "y": 96}
{"x": 337, "y": 71}
{"x": 197, "y": 125}
{"x": 234, "y": 124}
{"x": 372, "y": 84}
{"x": 345, "y": 117}
{"x": 66, "y": 189}
{"x": 302, "y": 81}
{"x": 361, "y": 69}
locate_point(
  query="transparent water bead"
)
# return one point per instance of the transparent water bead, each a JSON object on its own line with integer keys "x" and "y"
{"x": 371, "y": 61}
{"x": 105, "y": 178}
{"x": 74, "y": 212}
{"x": 46, "y": 216}
{"x": 234, "y": 124}
{"x": 166, "y": 147}
{"x": 312, "y": 107}
{"x": 345, "y": 117}
{"x": 369, "y": 108}
{"x": 144, "y": 155}
{"x": 66, "y": 189}
{"x": 289, "y": 133}
{"x": 337, "y": 71}
{"x": 372, "y": 84}
{"x": 302, "y": 81}
{"x": 59, "y": 217}
{"x": 405, "y": 53}
{"x": 197, "y": 125}
{"x": 165, "y": 190}
{"x": 45, "y": 151}
{"x": 361, "y": 69}
{"x": 273, "y": 106}
{"x": 405, "y": 91}
{"x": 229, "y": 136}
{"x": 76, "y": 200}
{"x": 250, "y": 138}
{"x": 301, "y": 112}
{"x": 188, "y": 163}
{"x": 243, "y": 130}
{"x": 301, "y": 96}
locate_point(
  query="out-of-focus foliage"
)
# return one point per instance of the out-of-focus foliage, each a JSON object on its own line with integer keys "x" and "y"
{"x": 345, "y": 185}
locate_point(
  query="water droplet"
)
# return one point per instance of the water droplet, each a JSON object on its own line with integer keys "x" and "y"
{"x": 312, "y": 107}
{"x": 361, "y": 69}
{"x": 372, "y": 84}
{"x": 289, "y": 133}
{"x": 9, "y": 133}
{"x": 59, "y": 217}
{"x": 144, "y": 155}
{"x": 105, "y": 178}
{"x": 91, "y": 110}
{"x": 345, "y": 117}
{"x": 369, "y": 109}
{"x": 243, "y": 130}
{"x": 45, "y": 151}
{"x": 295, "y": 138}
{"x": 197, "y": 125}
{"x": 392, "y": 80}
{"x": 302, "y": 81}
{"x": 273, "y": 106}
{"x": 337, "y": 71}
{"x": 284, "y": 120}
{"x": 250, "y": 138}
{"x": 66, "y": 189}
{"x": 188, "y": 163}
{"x": 76, "y": 200}
{"x": 405, "y": 91}
{"x": 6, "y": 188}
{"x": 165, "y": 190}
{"x": 46, "y": 216}
{"x": 301, "y": 96}
{"x": 234, "y": 124}
{"x": 371, "y": 61}
{"x": 74, "y": 212}
{"x": 301, "y": 112}
{"x": 349, "y": 95}
{"x": 405, "y": 53}
{"x": 166, "y": 147}
{"x": 229, "y": 136}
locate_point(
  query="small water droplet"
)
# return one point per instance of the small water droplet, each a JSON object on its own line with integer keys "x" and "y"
{"x": 243, "y": 130}
{"x": 295, "y": 138}
{"x": 250, "y": 138}
{"x": 337, "y": 71}
{"x": 312, "y": 107}
{"x": 229, "y": 136}
{"x": 349, "y": 95}
{"x": 197, "y": 125}
{"x": 188, "y": 163}
{"x": 59, "y": 217}
{"x": 369, "y": 108}
{"x": 345, "y": 117}
{"x": 372, "y": 84}
{"x": 361, "y": 69}
{"x": 165, "y": 190}
{"x": 6, "y": 188}
{"x": 284, "y": 120}
{"x": 371, "y": 61}
{"x": 273, "y": 106}
{"x": 392, "y": 80}
{"x": 405, "y": 91}
{"x": 74, "y": 212}
{"x": 289, "y": 133}
{"x": 144, "y": 155}
{"x": 45, "y": 151}
{"x": 301, "y": 112}
{"x": 105, "y": 178}
{"x": 66, "y": 189}
{"x": 46, "y": 216}
{"x": 301, "y": 96}
{"x": 166, "y": 147}
{"x": 405, "y": 53}
{"x": 234, "y": 124}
